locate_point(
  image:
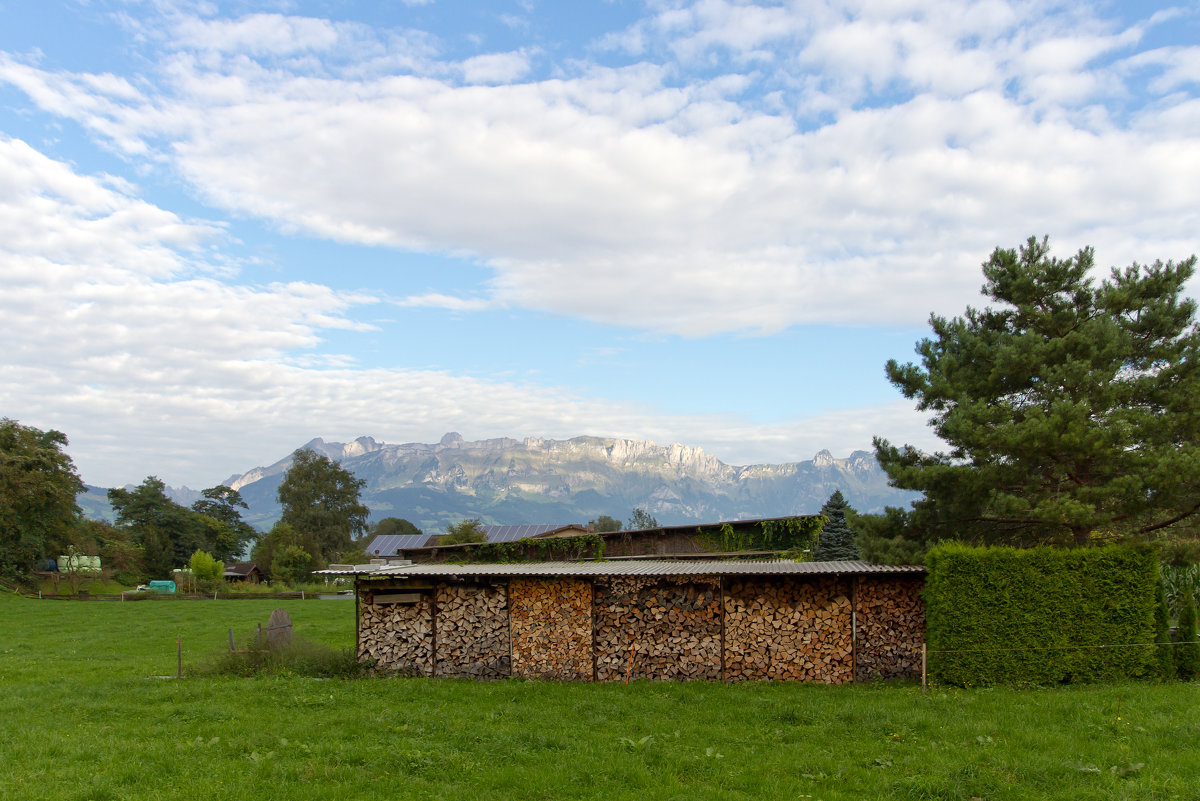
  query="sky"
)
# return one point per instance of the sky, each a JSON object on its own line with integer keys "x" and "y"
{"x": 229, "y": 227}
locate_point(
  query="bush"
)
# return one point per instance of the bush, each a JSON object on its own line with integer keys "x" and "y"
{"x": 1187, "y": 652}
{"x": 1037, "y": 616}
{"x": 293, "y": 565}
{"x": 1162, "y": 635}
{"x": 464, "y": 532}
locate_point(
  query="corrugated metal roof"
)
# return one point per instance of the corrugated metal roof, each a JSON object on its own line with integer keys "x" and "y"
{"x": 514, "y": 533}
{"x": 391, "y": 544}
{"x": 663, "y": 567}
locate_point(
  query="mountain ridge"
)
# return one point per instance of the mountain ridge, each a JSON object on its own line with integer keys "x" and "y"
{"x": 539, "y": 480}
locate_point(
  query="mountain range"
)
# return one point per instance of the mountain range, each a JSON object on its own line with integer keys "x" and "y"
{"x": 508, "y": 481}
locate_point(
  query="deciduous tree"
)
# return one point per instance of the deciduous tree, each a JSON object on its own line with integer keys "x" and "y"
{"x": 1069, "y": 406}
{"x": 641, "y": 519}
{"x": 604, "y": 524}
{"x": 223, "y": 504}
{"x": 463, "y": 532}
{"x": 166, "y": 533}
{"x": 320, "y": 500}
{"x": 38, "y": 485}
{"x": 393, "y": 526}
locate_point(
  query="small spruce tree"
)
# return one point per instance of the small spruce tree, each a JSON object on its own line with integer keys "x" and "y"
{"x": 1187, "y": 652}
{"x": 836, "y": 543}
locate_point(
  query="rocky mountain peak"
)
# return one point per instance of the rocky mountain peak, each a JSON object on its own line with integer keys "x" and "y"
{"x": 537, "y": 480}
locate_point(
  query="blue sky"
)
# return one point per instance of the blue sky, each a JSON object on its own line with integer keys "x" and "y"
{"x": 226, "y": 228}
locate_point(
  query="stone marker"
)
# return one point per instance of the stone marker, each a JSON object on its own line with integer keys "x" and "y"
{"x": 279, "y": 630}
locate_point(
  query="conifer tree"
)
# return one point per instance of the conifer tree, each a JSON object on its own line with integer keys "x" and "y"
{"x": 836, "y": 543}
{"x": 1069, "y": 406}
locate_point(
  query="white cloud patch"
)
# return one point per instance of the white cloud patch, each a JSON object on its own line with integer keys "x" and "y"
{"x": 116, "y": 332}
{"x": 495, "y": 68}
{"x": 257, "y": 34}
{"x": 684, "y": 206}
{"x": 758, "y": 167}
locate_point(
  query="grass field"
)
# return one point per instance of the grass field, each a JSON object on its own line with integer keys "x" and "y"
{"x": 84, "y": 715}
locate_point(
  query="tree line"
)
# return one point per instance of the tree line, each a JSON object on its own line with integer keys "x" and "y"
{"x": 151, "y": 534}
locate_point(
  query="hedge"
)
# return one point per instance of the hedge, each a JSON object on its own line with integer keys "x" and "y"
{"x": 1038, "y": 616}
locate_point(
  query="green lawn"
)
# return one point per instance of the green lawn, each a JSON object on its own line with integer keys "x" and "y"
{"x": 84, "y": 715}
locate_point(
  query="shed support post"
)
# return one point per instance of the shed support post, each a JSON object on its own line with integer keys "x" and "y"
{"x": 433, "y": 630}
{"x": 721, "y": 615}
{"x": 854, "y": 628}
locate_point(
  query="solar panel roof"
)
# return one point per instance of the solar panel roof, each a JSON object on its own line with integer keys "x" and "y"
{"x": 513, "y": 533}
{"x": 392, "y": 544}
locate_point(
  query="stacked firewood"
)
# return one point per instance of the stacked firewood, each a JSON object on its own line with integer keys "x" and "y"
{"x": 551, "y": 628}
{"x": 472, "y": 630}
{"x": 398, "y": 637}
{"x": 795, "y": 631}
{"x": 891, "y": 627}
{"x": 657, "y": 628}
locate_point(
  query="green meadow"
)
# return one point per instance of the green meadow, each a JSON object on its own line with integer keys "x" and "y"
{"x": 90, "y": 709}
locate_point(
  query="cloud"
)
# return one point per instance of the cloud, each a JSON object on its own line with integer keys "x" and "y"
{"x": 682, "y": 206}
{"x": 493, "y": 68}
{"x": 120, "y": 330}
{"x": 734, "y": 168}
{"x": 257, "y": 34}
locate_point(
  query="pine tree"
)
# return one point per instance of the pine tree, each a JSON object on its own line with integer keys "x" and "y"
{"x": 836, "y": 543}
{"x": 1069, "y": 406}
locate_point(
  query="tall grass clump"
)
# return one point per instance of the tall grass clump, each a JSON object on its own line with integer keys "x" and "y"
{"x": 300, "y": 657}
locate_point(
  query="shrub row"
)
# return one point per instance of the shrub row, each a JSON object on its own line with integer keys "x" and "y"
{"x": 1041, "y": 615}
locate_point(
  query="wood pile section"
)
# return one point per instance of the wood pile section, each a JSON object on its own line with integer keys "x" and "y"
{"x": 788, "y": 630}
{"x": 398, "y": 637}
{"x": 551, "y": 628}
{"x": 891, "y": 627}
{"x": 472, "y": 631}
{"x": 657, "y": 628}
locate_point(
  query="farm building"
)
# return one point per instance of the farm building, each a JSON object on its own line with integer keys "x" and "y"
{"x": 612, "y": 620}
{"x": 247, "y": 572}
{"x": 409, "y": 545}
{"x": 762, "y": 538}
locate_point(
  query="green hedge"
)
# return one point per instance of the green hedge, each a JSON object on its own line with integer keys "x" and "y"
{"x": 1009, "y": 616}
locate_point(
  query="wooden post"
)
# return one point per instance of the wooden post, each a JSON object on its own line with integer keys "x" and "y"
{"x": 721, "y": 612}
{"x": 433, "y": 630}
{"x": 629, "y": 666}
{"x": 854, "y": 628}
{"x": 508, "y": 613}
{"x": 595, "y": 656}
{"x": 924, "y": 685}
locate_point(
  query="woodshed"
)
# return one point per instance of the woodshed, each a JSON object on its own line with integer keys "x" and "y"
{"x": 716, "y": 620}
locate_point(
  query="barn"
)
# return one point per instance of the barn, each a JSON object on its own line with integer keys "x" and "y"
{"x": 666, "y": 619}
